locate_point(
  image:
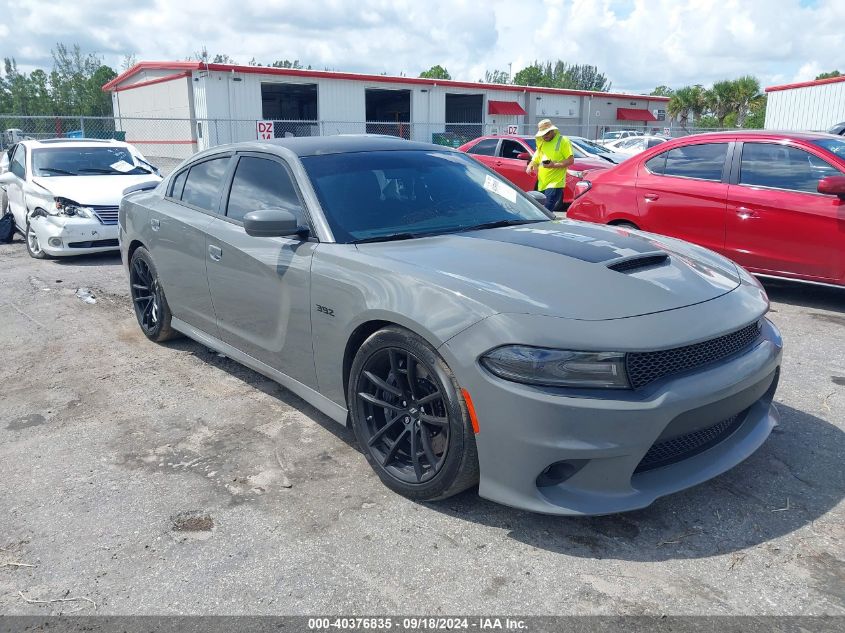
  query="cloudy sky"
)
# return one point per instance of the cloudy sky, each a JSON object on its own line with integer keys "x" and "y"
{"x": 638, "y": 44}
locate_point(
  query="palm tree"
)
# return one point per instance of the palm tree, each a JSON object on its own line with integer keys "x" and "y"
{"x": 687, "y": 101}
{"x": 746, "y": 91}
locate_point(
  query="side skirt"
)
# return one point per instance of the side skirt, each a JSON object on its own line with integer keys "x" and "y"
{"x": 312, "y": 397}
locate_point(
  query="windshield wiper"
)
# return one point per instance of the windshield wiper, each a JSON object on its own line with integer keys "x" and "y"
{"x": 55, "y": 170}
{"x": 387, "y": 238}
{"x": 498, "y": 223}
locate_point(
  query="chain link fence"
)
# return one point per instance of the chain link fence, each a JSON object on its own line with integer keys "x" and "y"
{"x": 165, "y": 142}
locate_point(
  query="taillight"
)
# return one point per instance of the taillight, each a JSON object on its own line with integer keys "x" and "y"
{"x": 582, "y": 187}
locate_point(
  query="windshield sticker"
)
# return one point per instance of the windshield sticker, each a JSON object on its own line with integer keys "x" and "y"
{"x": 499, "y": 188}
{"x": 122, "y": 166}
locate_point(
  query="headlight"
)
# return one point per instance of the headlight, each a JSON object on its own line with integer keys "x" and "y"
{"x": 71, "y": 208}
{"x": 557, "y": 367}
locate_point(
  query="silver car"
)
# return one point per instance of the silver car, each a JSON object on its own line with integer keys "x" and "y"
{"x": 467, "y": 338}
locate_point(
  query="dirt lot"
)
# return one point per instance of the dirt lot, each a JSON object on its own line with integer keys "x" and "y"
{"x": 167, "y": 479}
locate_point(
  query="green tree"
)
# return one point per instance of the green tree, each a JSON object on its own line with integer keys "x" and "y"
{"x": 496, "y": 77}
{"x": 685, "y": 102}
{"x": 562, "y": 75}
{"x": 436, "y": 72}
{"x": 662, "y": 91}
{"x": 830, "y": 75}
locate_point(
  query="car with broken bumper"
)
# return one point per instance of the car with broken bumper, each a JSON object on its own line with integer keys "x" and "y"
{"x": 64, "y": 193}
{"x": 467, "y": 338}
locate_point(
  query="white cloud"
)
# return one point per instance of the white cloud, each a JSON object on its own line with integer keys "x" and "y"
{"x": 638, "y": 44}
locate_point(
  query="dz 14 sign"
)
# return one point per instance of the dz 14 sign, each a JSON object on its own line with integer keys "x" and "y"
{"x": 264, "y": 130}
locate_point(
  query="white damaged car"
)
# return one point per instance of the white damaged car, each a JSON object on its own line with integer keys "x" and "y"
{"x": 64, "y": 194}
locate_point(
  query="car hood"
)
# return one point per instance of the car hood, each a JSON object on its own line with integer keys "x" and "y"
{"x": 565, "y": 269}
{"x": 92, "y": 190}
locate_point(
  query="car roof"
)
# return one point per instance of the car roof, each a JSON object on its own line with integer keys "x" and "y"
{"x": 340, "y": 144}
{"x": 73, "y": 142}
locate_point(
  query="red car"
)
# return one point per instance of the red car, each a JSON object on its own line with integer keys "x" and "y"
{"x": 508, "y": 155}
{"x": 772, "y": 201}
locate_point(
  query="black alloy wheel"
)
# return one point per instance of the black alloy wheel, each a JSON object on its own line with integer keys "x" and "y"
{"x": 410, "y": 418}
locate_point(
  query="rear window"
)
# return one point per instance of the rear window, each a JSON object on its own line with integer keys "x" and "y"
{"x": 703, "y": 162}
{"x": 205, "y": 180}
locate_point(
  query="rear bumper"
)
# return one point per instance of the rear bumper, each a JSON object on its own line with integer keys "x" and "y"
{"x": 60, "y": 237}
{"x": 558, "y": 452}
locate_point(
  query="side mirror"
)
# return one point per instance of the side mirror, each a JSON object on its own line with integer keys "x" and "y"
{"x": 523, "y": 156}
{"x": 832, "y": 185}
{"x": 272, "y": 223}
{"x": 538, "y": 196}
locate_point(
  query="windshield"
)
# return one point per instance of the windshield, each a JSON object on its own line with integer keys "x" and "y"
{"x": 589, "y": 146}
{"x": 833, "y": 145}
{"x": 85, "y": 161}
{"x": 390, "y": 194}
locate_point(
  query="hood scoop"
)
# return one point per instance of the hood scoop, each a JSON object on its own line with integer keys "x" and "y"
{"x": 639, "y": 262}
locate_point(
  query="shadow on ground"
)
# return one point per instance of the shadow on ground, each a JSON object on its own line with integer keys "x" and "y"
{"x": 793, "y": 480}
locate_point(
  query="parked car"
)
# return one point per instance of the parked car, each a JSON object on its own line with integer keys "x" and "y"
{"x": 634, "y": 145}
{"x": 508, "y": 155}
{"x": 618, "y": 135}
{"x": 772, "y": 201}
{"x": 591, "y": 148}
{"x": 411, "y": 292}
{"x": 838, "y": 129}
{"x": 64, "y": 193}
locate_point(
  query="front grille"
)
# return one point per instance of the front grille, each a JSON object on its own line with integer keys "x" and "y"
{"x": 646, "y": 367}
{"x": 94, "y": 244}
{"x": 106, "y": 215}
{"x": 685, "y": 446}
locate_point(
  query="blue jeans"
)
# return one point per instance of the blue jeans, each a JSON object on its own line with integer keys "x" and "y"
{"x": 554, "y": 196}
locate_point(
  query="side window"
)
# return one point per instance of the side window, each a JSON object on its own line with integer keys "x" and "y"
{"x": 704, "y": 162}
{"x": 511, "y": 149}
{"x": 657, "y": 164}
{"x": 18, "y": 165}
{"x": 260, "y": 183}
{"x": 178, "y": 184}
{"x": 487, "y": 147}
{"x": 782, "y": 167}
{"x": 202, "y": 187}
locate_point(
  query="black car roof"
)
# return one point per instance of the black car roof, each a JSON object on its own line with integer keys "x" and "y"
{"x": 317, "y": 145}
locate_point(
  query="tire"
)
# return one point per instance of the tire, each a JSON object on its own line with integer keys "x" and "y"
{"x": 438, "y": 430}
{"x": 32, "y": 245}
{"x": 627, "y": 225}
{"x": 148, "y": 298}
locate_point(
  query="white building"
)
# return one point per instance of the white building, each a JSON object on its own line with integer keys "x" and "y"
{"x": 201, "y": 105}
{"x": 811, "y": 105}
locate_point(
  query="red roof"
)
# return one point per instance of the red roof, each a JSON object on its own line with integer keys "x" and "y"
{"x": 290, "y": 72}
{"x": 634, "y": 114}
{"x": 805, "y": 84}
{"x": 505, "y": 107}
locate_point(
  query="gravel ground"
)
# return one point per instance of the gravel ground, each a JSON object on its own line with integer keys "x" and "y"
{"x": 165, "y": 479}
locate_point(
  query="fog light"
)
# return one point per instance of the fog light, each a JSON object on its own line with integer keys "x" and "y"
{"x": 559, "y": 472}
{"x": 55, "y": 242}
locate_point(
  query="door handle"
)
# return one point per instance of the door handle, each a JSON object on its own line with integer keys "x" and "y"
{"x": 746, "y": 214}
{"x": 651, "y": 197}
{"x": 155, "y": 223}
{"x": 215, "y": 252}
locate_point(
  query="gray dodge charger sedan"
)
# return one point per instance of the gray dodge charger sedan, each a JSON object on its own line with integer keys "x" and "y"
{"x": 467, "y": 338}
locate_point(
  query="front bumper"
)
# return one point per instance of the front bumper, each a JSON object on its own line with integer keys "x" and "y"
{"x": 61, "y": 236}
{"x": 596, "y": 439}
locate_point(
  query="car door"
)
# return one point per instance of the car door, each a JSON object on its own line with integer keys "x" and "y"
{"x": 178, "y": 246}
{"x": 683, "y": 193}
{"x": 15, "y": 189}
{"x": 508, "y": 165}
{"x": 261, "y": 286}
{"x": 777, "y": 222}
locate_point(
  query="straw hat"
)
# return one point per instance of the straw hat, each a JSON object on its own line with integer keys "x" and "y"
{"x": 544, "y": 127}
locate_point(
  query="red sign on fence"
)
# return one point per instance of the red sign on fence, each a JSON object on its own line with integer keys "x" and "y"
{"x": 264, "y": 130}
